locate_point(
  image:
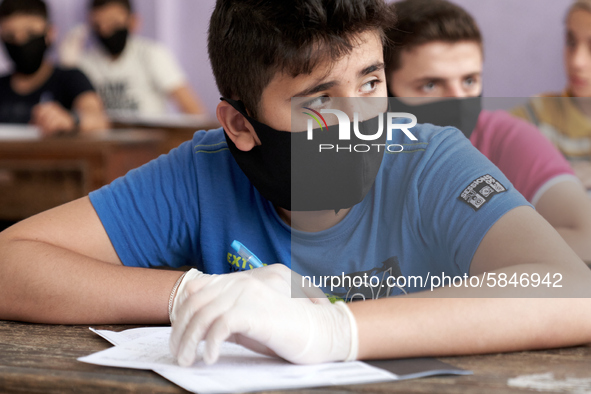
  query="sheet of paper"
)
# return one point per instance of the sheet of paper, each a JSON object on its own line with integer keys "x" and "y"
{"x": 11, "y": 132}
{"x": 413, "y": 368}
{"x": 238, "y": 369}
{"x": 119, "y": 338}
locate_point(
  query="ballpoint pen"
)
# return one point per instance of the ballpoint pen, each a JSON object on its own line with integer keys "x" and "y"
{"x": 247, "y": 254}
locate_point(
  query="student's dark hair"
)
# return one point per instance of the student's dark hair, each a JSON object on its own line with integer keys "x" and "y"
{"x": 94, "y": 4}
{"x": 252, "y": 40}
{"x": 424, "y": 21}
{"x": 23, "y": 7}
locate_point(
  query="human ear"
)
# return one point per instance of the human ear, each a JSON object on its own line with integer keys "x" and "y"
{"x": 135, "y": 23}
{"x": 238, "y": 129}
{"x": 51, "y": 35}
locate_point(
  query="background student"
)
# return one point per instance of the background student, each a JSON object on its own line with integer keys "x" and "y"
{"x": 565, "y": 118}
{"x": 424, "y": 211}
{"x": 37, "y": 92}
{"x": 130, "y": 72}
{"x": 437, "y": 51}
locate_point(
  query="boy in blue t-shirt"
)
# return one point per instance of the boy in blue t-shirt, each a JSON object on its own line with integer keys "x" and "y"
{"x": 422, "y": 210}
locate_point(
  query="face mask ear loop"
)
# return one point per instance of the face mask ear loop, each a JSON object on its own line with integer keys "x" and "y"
{"x": 237, "y": 105}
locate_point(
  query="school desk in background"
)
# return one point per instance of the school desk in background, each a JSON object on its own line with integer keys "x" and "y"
{"x": 177, "y": 128}
{"x": 38, "y": 173}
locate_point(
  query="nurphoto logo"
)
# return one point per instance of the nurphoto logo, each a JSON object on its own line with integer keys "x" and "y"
{"x": 345, "y": 130}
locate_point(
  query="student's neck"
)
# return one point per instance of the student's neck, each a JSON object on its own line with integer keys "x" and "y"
{"x": 312, "y": 222}
{"x": 25, "y": 84}
{"x": 114, "y": 58}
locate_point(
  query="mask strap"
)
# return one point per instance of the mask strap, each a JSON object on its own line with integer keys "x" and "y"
{"x": 237, "y": 105}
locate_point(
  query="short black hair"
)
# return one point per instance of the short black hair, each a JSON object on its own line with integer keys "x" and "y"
{"x": 424, "y": 21}
{"x": 24, "y": 7}
{"x": 252, "y": 40}
{"x": 94, "y": 4}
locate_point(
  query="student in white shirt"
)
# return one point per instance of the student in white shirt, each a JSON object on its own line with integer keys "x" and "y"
{"x": 131, "y": 73}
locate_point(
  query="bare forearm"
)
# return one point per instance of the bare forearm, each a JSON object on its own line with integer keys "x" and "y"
{"x": 453, "y": 321}
{"x": 93, "y": 121}
{"x": 579, "y": 241}
{"x": 441, "y": 327}
{"x": 567, "y": 208}
{"x": 187, "y": 100}
{"x": 42, "y": 283}
{"x": 89, "y": 108}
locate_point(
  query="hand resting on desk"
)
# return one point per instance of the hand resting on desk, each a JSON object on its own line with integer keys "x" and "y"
{"x": 52, "y": 118}
{"x": 256, "y": 309}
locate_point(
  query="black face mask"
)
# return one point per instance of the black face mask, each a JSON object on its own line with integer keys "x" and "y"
{"x": 290, "y": 171}
{"x": 27, "y": 57}
{"x": 461, "y": 113}
{"x": 115, "y": 43}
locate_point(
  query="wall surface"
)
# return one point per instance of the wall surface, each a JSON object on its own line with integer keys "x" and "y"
{"x": 523, "y": 38}
{"x": 523, "y": 45}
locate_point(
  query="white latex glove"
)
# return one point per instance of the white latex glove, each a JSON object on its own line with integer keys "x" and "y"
{"x": 275, "y": 276}
{"x": 182, "y": 293}
{"x": 263, "y": 317}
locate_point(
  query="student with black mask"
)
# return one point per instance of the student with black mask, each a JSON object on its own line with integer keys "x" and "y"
{"x": 54, "y": 99}
{"x": 131, "y": 73}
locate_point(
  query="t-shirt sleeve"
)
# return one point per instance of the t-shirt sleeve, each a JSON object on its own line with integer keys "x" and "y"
{"x": 527, "y": 157}
{"x": 460, "y": 195}
{"x": 167, "y": 73}
{"x": 151, "y": 214}
{"x": 77, "y": 83}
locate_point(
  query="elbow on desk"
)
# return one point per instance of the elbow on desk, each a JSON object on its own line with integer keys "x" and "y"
{"x": 578, "y": 237}
{"x": 19, "y": 278}
{"x": 6, "y": 276}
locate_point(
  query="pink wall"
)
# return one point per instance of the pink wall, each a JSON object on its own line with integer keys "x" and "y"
{"x": 523, "y": 40}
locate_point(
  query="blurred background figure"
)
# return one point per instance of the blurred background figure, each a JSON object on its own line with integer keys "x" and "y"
{"x": 54, "y": 99}
{"x": 567, "y": 120}
{"x": 131, "y": 73}
{"x": 434, "y": 67}
{"x": 515, "y": 65}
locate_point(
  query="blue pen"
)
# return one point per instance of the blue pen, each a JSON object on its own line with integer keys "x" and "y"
{"x": 247, "y": 254}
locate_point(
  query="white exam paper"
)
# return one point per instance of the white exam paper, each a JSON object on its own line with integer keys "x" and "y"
{"x": 11, "y": 132}
{"x": 238, "y": 369}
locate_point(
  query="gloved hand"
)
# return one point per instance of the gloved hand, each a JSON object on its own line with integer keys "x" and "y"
{"x": 275, "y": 275}
{"x": 261, "y": 316}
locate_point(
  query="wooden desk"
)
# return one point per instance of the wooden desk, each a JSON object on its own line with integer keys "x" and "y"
{"x": 177, "y": 129}
{"x": 41, "y": 358}
{"x": 38, "y": 174}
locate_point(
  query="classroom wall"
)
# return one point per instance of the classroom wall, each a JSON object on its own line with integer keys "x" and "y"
{"x": 523, "y": 40}
{"x": 523, "y": 45}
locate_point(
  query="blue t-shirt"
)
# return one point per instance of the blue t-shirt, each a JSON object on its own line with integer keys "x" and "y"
{"x": 426, "y": 214}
